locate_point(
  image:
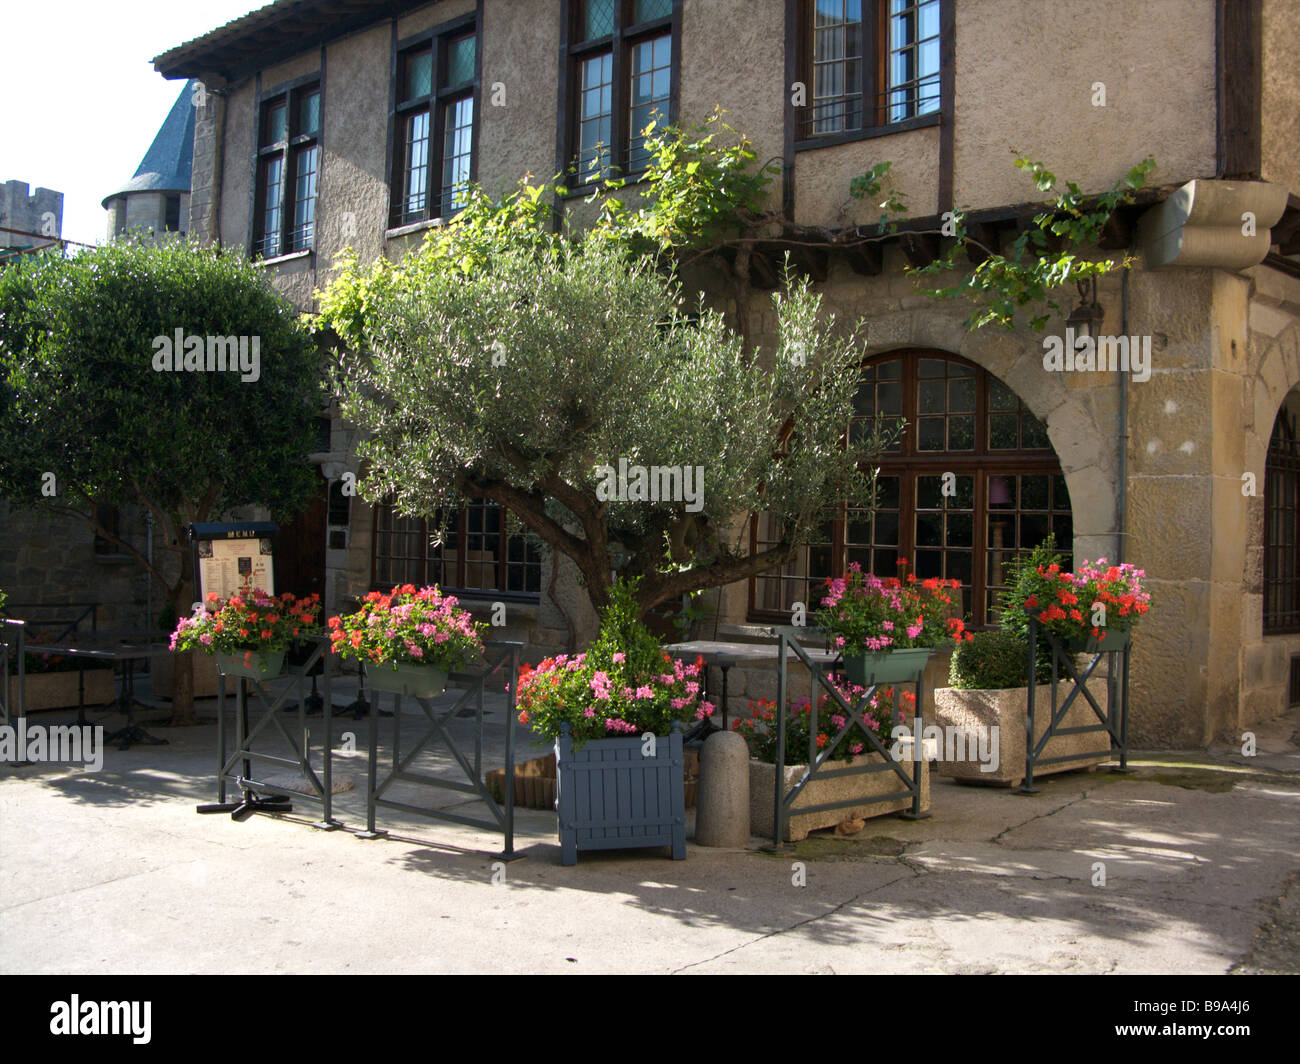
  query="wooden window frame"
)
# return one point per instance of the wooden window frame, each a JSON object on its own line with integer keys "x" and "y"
{"x": 619, "y": 44}
{"x": 908, "y": 463}
{"x": 435, "y": 104}
{"x": 873, "y": 89}
{"x": 288, "y": 151}
{"x": 426, "y": 531}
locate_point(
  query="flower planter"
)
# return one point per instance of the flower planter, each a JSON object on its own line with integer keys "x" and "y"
{"x": 535, "y": 781}
{"x": 887, "y": 666}
{"x": 611, "y": 796}
{"x": 59, "y": 690}
{"x": 1091, "y": 644}
{"x": 969, "y": 712}
{"x": 404, "y": 678}
{"x": 864, "y": 787}
{"x": 253, "y": 664}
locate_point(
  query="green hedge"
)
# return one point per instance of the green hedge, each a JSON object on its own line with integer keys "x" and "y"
{"x": 991, "y": 660}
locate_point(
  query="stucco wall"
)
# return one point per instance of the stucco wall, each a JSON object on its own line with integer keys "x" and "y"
{"x": 1024, "y": 78}
{"x": 1281, "y": 100}
{"x": 520, "y": 43}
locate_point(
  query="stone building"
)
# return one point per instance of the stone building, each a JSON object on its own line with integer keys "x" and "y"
{"x": 331, "y": 124}
{"x": 28, "y": 220}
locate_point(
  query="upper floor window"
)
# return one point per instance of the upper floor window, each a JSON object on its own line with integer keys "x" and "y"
{"x": 621, "y": 73}
{"x": 433, "y": 121}
{"x": 865, "y": 65}
{"x": 288, "y": 161}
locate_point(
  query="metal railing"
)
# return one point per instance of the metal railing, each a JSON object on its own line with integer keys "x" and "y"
{"x": 1116, "y": 726}
{"x": 13, "y": 697}
{"x": 818, "y": 757}
{"x": 503, "y": 814}
{"x": 237, "y": 767}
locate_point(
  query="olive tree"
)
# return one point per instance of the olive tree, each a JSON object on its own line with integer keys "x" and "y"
{"x": 577, "y": 385}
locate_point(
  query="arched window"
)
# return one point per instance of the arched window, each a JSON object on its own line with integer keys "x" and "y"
{"x": 970, "y": 483}
{"x": 1281, "y": 543}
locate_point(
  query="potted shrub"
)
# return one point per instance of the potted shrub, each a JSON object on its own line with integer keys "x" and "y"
{"x": 887, "y": 629}
{"x": 410, "y": 640}
{"x": 249, "y": 632}
{"x": 615, "y": 714}
{"x": 886, "y": 709}
{"x": 983, "y": 714}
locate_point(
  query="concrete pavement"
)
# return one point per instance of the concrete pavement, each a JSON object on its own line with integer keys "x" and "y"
{"x": 114, "y": 872}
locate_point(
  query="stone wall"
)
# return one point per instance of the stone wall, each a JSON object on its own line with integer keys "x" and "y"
{"x": 51, "y": 560}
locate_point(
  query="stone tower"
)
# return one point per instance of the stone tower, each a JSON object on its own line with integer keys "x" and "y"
{"x": 157, "y": 198}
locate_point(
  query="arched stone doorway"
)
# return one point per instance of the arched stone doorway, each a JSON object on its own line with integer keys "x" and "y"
{"x": 971, "y": 484}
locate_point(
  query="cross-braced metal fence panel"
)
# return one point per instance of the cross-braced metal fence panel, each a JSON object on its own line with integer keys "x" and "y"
{"x": 1114, "y": 723}
{"x": 783, "y": 803}
{"x": 471, "y": 765}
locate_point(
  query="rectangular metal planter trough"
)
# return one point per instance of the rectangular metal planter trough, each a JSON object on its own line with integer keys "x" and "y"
{"x": 611, "y": 796}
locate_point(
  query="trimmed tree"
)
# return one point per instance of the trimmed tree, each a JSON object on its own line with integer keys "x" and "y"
{"x": 93, "y": 414}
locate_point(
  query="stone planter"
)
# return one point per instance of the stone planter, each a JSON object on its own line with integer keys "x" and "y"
{"x": 58, "y": 690}
{"x": 887, "y": 666}
{"x": 968, "y": 712}
{"x": 611, "y": 796}
{"x": 207, "y": 680}
{"x": 868, "y": 785}
{"x": 255, "y": 665}
{"x": 405, "y": 678}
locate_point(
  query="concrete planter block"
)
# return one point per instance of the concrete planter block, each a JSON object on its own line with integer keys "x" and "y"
{"x": 58, "y": 690}
{"x": 612, "y": 796}
{"x": 1006, "y": 709}
{"x": 762, "y": 778}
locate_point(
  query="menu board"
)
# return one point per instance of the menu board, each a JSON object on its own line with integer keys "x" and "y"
{"x": 234, "y": 558}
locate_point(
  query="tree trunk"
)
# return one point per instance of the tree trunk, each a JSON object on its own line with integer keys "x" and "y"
{"x": 180, "y": 601}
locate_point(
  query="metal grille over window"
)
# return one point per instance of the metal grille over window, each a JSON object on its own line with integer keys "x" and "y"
{"x": 837, "y": 66}
{"x": 1281, "y": 523}
{"x": 913, "y": 64}
{"x": 620, "y": 78}
{"x": 866, "y": 65}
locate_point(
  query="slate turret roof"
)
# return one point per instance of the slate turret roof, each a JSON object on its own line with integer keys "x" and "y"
{"x": 167, "y": 165}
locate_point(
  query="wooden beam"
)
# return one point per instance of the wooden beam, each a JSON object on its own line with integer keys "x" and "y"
{"x": 1117, "y": 233}
{"x": 866, "y": 260}
{"x": 1239, "y": 87}
{"x": 987, "y": 235}
{"x": 920, "y": 249}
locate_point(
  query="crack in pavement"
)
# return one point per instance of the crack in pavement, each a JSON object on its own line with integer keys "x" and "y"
{"x": 795, "y": 926}
{"x": 1040, "y": 816}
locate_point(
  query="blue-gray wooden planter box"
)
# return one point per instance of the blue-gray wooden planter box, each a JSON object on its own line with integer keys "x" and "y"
{"x": 609, "y": 796}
